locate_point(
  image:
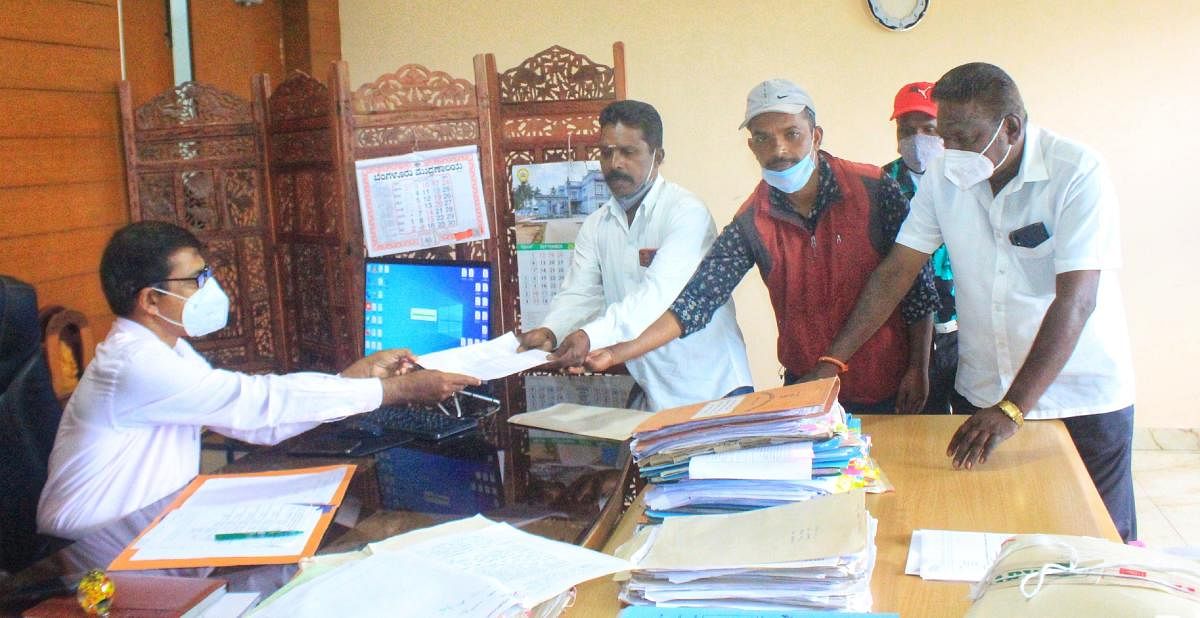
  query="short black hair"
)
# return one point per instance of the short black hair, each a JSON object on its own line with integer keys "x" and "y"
{"x": 638, "y": 115}
{"x": 136, "y": 257}
{"x": 984, "y": 84}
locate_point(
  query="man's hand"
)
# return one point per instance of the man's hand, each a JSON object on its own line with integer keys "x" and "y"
{"x": 572, "y": 352}
{"x": 822, "y": 370}
{"x": 382, "y": 364}
{"x": 979, "y": 436}
{"x": 425, "y": 386}
{"x": 914, "y": 388}
{"x": 541, "y": 338}
{"x": 600, "y": 360}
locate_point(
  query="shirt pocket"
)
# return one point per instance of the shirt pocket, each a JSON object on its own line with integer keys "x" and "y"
{"x": 1037, "y": 265}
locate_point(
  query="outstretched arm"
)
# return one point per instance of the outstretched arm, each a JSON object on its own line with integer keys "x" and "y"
{"x": 663, "y": 331}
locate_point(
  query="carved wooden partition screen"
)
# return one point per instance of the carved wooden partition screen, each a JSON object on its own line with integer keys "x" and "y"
{"x": 312, "y": 239}
{"x": 547, "y": 109}
{"x": 414, "y": 109}
{"x": 194, "y": 156}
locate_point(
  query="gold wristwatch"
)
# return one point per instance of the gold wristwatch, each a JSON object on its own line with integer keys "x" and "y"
{"x": 1011, "y": 410}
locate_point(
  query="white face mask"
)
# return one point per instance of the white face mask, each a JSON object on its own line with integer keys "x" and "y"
{"x": 794, "y": 178}
{"x": 635, "y": 198}
{"x": 966, "y": 168}
{"x": 919, "y": 149}
{"x": 206, "y": 311}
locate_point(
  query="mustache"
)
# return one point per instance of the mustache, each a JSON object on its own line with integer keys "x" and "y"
{"x": 781, "y": 163}
{"x": 615, "y": 175}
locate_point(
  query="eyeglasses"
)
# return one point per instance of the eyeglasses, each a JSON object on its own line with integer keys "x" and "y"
{"x": 200, "y": 278}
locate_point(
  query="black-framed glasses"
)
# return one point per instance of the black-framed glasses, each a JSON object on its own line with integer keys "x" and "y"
{"x": 200, "y": 278}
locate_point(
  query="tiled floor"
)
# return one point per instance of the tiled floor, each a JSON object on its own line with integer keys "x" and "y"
{"x": 1166, "y": 483}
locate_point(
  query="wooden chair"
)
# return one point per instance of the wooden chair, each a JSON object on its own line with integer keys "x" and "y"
{"x": 69, "y": 344}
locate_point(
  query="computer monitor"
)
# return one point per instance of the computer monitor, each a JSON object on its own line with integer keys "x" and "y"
{"x": 426, "y": 306}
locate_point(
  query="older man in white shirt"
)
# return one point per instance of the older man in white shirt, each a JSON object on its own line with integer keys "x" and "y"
{"x": 130, "y": 434}
{"x": 1030, "y": 221}
{"x": 632, "y": 257}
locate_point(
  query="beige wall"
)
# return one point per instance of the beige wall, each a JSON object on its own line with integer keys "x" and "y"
{"x": 1119, "y": 76}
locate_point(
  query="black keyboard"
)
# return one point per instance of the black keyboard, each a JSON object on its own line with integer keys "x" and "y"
{"x": 421, "y": 423}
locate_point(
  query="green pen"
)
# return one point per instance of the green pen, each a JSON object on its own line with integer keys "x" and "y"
{"x": 262, "y": 534}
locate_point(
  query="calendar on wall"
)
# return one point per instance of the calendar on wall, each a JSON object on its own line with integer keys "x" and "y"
{"x": 550, "y": 201}
{"x": 421, "y": 200}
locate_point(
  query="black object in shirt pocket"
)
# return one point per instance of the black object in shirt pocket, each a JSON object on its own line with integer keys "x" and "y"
{"x": 1029, "y": 236}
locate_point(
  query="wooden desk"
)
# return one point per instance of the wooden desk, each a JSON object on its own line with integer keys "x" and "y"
{"x": 1034, "y": 482}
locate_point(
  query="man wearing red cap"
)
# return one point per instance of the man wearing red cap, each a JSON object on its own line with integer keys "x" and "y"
{"x": 915, "y": 113}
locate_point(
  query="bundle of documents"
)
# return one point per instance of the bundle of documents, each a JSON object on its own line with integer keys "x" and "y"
{"x": 1039, "y": 575}
{"x": 765, "y": 449}
{"x": 817, "y": 554}
{"x": 801, "y": 412}
{"x": 467, "y": 567}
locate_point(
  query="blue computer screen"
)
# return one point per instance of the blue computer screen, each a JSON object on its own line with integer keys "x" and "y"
{"x": 426, "y": 307}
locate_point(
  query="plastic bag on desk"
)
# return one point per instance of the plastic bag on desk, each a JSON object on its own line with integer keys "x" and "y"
{"x": 1048, "y": 575}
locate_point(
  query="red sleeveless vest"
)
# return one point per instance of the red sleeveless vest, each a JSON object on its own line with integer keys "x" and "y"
{"x": 814, "y": 281}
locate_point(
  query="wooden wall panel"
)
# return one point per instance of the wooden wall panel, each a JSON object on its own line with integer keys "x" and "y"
{"x": 59, "y": 113}
{"x": 44, "y": 209}
{"x": 60, "y": 160}
{"x": 311, "y": 35}
{"x": 45, "y": 257}
{"x": 147, "y": 48}
{"x": 231, "y": 43}
{"x": 45, "y": 66}
{"x": 62, "y": 192}
{"x": 41, "y": 21}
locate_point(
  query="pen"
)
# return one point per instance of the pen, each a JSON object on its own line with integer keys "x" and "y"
{"x": 491, "y": 400}
{"x": 261, "y": 534}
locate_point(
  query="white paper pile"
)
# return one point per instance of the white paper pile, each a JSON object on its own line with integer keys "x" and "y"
{"x": 817, "y": 554}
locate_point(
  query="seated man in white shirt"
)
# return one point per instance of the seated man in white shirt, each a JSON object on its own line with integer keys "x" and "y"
{"x": 130, "y": 434}
{"x": 632, "y": 257}
{"x": 1030, "y": 220}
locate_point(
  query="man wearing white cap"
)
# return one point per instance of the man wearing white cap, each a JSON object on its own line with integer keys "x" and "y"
{"x": 815, "y": 226}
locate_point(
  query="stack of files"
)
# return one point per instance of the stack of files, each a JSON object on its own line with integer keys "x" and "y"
{"x": 817, "y": 554}
{"x": 766, "y": 449}
{"x": 800, "y": 412}
{"x": 467, "y": 567}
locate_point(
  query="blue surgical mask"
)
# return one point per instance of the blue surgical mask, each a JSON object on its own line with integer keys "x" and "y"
{"x": 635, "y": 198}
{"x": 793, "y": 178}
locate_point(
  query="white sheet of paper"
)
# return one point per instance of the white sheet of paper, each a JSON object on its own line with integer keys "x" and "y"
{"x": 231, "y": 605}
{"x": 489, "y": 360}
{"x": 534, "y": 567}
{"x": 607, "y": 423}
{"x": 308, "y": 488}
{"x": 189, "y": 532}
{"x": 778, "y": 462}
{"x": 393, "y": 584}
{"x": 951, "y": 555}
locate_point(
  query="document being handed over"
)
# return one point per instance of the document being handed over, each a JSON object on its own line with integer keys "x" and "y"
{"x": 489, "y": 360}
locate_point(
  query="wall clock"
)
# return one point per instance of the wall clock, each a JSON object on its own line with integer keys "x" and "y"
{"x": 894, "y": 22}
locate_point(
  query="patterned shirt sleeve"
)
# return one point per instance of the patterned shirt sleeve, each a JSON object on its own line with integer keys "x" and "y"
{"x": 922, "y": 298}
{"x": 711, "y": 285}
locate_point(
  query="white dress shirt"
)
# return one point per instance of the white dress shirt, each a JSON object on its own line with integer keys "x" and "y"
{"x": 131, "y": 432}
{"x": 609, "y": 295}
{"x": 1003, "y": 291}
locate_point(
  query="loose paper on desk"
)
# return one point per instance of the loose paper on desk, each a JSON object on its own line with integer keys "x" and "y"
{"x": 834, "y": 525}
{"x": 466, "y": 567}
{"x": 950, "y": 555}
{"x": 779, "y": 462}
{"x": 281, "y": 501}
{"x": 489, "y": 360}
{"x": 607, "y": 423}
